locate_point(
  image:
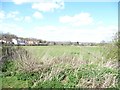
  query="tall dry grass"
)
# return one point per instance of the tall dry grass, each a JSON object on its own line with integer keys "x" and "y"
{"x": 97, "y": 72}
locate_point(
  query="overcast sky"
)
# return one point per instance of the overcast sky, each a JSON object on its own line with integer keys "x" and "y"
{"x": 57, "y": 20}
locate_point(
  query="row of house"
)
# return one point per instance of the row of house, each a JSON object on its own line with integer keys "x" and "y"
{"x": 24, "y": 42}
{"x": 19, "y": 42}
{"x": 11, "y": 39}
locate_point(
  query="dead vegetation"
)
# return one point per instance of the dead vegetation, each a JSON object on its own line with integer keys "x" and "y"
{"x": 84, "y": 73}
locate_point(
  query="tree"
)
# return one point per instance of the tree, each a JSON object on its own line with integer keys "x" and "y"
{"x": 40, "y": 41}
{"x": 54, "y": 43}
{"x": 77, "y": 43}
{"x": 8, "y": 36}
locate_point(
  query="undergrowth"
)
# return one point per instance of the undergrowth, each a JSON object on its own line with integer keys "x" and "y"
{"x": 67, "y": 71}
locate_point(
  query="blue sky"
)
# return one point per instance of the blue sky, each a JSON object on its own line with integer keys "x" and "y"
{"x": 60, "y": 21}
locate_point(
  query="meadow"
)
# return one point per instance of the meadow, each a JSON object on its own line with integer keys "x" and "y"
{"x": 61, "y": 67}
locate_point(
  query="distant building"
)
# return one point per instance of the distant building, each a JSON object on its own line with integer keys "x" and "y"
{"x": 18, "y": 42}
{"x": 14, "y": 41}
{"x": 30, "y": 42}
{"x": 36, "y": 42}
{"x": 3, "y": 41}
{"x": 51, "y": 43}
{"x": 43, "y": 44}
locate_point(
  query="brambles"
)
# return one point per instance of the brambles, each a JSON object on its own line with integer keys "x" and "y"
{"x": 59, "y": 67}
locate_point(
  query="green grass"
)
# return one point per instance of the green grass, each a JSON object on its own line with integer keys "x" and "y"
{"x": 0, "y": 82}
{"x": 13, "y": 82}
{"x": 55, "y": 51}
{"x": 52, "y": 50}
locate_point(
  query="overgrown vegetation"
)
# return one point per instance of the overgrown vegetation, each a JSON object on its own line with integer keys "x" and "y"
{"x": 60, "y": 67}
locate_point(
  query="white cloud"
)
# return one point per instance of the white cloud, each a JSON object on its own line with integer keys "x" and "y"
{"x": 38, "y": 15}
{"x": 11, "y": 28}
{"x": 12, "y": 14}
{"x": 54, "y": 33}
{"x": 2, "y": 15}
{"x": 18, "y": 18}
{"x": 20, "y": 1}
{"x": 48, "y": 5}
{"x": 100, "y": 22}
{"x": 77, "y": 20}
{"x": 27, "y": 19}
{"x": 57, "y": 33}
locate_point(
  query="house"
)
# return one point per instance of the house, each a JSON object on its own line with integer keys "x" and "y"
{"x": 3, "y": 41}
{"x": 14, "y": 41}
{"x": 51, "y": 43}
{"x": 18, "y": 42}
{"x": 30, "y": 42}
{"x": 43, "y": 44}
{"x": 36, "y": 42}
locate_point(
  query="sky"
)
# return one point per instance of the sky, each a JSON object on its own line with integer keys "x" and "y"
{"x": 58, "y": 20}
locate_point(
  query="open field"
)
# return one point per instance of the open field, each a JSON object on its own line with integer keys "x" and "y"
{"x": 62, "y": 66}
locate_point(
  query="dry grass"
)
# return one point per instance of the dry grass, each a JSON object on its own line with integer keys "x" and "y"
{"x": 50, "y": 67}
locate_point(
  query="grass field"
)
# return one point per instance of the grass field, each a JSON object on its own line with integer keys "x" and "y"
{"x": 56, "y": 51}
{"x": 62, "y": 66}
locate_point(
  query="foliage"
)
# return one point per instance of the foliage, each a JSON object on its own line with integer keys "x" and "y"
{"x": 54, "y": 83}
{"x": 12, "y": 82}
{"x": 8, "y": 36}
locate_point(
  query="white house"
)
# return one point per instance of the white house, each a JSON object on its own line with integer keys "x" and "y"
{"x": 3, "y": 41}
{"x": 14, "y": 41}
